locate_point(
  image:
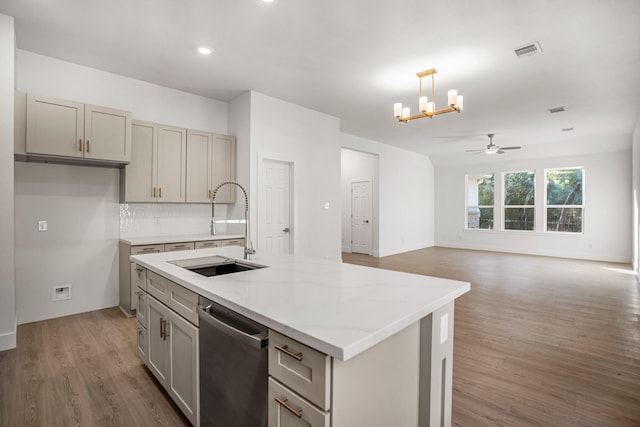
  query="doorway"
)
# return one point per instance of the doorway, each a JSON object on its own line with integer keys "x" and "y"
{"x": 275, "y": 234}
{"x": 361, "y": 207}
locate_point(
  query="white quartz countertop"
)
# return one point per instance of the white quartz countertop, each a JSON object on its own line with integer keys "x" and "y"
{"x": 179, "y": 238}
{"x": 339, "y": 309}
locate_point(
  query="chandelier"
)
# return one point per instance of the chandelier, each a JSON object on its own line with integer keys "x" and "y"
{"x": 428, "y": 108}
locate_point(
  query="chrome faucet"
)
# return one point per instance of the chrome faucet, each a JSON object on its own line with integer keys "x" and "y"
{"x": 248, "y": 246}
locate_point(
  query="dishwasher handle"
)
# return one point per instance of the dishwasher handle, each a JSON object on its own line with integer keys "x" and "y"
{"x": 256, "y": 340}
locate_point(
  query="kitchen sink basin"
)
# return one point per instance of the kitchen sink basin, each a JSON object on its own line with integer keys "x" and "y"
{"x": 216, "y": 265}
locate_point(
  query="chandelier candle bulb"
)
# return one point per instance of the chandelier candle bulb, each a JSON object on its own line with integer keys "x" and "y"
{"x": 453, "y": 97}
{"x": 460, "y": 103}
{"x": 397, "y": 110}
{"x": 406, "y": 112}
{"x": 431, "y": 107}
{"x": 423, "y": 101}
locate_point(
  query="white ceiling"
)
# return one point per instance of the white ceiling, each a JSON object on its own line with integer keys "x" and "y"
{"x": 354, "y": 58}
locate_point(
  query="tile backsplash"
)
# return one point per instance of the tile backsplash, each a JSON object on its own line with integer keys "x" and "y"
{"x": 158, "y": 219}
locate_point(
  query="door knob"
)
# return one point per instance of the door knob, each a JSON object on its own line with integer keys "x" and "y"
{"x": 286, "y": 230}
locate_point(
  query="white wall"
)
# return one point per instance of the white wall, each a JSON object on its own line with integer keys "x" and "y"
{"x": 607, "y": 210}
{"x": 80, "y": 247}
{"x": 635, "y": 197}
{"x": 98, "y": 272}
{"x": 405, "y": 197}
{"x": 311, "y": 140}
{"x": 357, "y": 165}
{"x": 7, "y": 254}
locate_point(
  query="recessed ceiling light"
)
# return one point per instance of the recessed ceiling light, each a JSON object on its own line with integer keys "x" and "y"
{"x": 204, "y": 50}
{"x": 555, "y": 110}
{"x": 267, "y": 1}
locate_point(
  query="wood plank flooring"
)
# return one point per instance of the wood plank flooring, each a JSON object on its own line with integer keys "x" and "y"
{"x": 81, "y": 370}
{"x": 538, "y": 341}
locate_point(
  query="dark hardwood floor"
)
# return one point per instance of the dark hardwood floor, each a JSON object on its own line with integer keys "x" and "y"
{"x": 81, "y": 370}
{"x": 538, "y": 341}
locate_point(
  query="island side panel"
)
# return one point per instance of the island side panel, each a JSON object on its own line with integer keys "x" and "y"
{"x": 436, "y": 367}
{"x": 379, "y": 388}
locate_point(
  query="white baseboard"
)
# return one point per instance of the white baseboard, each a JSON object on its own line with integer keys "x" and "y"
{"x": 8, "y": 340}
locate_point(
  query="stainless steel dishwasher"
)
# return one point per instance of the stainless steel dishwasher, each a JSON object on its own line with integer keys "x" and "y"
{"x": 233, "y": 368}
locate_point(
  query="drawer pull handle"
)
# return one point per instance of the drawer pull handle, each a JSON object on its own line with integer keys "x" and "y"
{"x": 283, "y": 402}
{"x": 285, "y": 350}
{"x": 80, "y": 145}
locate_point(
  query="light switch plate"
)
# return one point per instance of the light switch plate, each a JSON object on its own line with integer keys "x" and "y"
{"x": 42, "y": 226}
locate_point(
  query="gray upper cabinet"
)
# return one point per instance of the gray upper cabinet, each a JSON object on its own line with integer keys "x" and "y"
{"x": 210, "y": 162}
{"x": 156, "y": 172}
{"x": 70, "y": 129}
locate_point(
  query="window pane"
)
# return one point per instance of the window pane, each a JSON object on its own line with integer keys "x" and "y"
{"x": 480, "y": 218}
{"x": 519, "y": 218}
{"x": 486, "y": 218}
{"x": 564, "y": 220}
{"x": 519, "y": 188}
{"x": 564, "y": 187}
{"x": 485, "y": 190}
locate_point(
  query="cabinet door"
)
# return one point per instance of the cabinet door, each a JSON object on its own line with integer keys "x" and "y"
{"x": 54, "y": 126}
{"x": 223, "y": 161}
{"x": 198, "y": 166}
{"x": 183, "y": 380}
{"x": 172, "y": 148}
{"x": 158, "y": 350}
{"x": 107, "y": 133}
{"x": 140, "y": 173}
{"x": 141, "y": 307}
{"x": 142, "y": 343}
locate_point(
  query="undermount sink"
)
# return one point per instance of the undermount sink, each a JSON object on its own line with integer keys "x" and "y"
{"x": 216, "y": 265}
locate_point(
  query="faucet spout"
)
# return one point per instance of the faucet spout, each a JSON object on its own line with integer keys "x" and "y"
{"x": 248, "y": 246}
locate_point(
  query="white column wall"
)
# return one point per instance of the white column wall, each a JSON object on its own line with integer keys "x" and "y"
{"x": 635, "y": 197}
{"x": 283, "y": 131}
{"x": 7, "y": 254}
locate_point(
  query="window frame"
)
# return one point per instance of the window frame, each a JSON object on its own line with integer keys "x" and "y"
{"x": 505, "y": 206}
{"x": 479, "y": 206}
{"x": 547, "y": 206}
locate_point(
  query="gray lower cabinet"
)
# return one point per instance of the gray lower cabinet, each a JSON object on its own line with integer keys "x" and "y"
{"x": 172, "y": 356}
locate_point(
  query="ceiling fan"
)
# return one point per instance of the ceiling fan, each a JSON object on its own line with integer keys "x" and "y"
{"x": 492, "y": 148}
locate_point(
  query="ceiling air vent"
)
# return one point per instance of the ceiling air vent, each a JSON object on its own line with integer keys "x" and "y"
{"x": 567, "y": 129}
{"x": 529, "y": 49}
{"x": 556, "y": 110}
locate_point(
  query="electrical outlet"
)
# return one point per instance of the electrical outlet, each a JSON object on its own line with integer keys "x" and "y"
{"x": 42, "y": 226}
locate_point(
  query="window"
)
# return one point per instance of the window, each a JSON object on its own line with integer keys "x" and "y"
{"x": 564, "y": 200}
{"x": 519, "y": 200}
{"x": 480, "y": 202}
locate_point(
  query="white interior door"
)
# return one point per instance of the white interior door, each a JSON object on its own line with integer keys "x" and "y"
{"x": 275, "y": 215}
{"x": 361, "y": 217}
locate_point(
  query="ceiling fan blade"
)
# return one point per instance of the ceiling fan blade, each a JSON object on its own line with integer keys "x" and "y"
{"x": 475, "y": 151}
{"x": 500, "y": 152}
{"x": 478, "y": 152}
{"x": 510, "y": 148}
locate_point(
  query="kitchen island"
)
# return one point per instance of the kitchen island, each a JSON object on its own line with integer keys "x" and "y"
{"x": 387, "y": 336}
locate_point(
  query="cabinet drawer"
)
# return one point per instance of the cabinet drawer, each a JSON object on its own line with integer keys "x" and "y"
{"x": 301, "y": 368}
{"x": 286, "y": 408}
{"x": 138, "y": 276}
{"x": 146, "y": 249}
{"x": 141, "y": 343}
{"x": 208, "y": 244}
{"x": 172, "y": 247}
{"x": 183, "y": 301}
{"x": 232, "y": 242}
{"x": 158, "y": 286}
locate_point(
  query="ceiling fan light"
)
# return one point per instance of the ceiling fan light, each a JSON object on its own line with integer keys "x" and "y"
{"x": 397, "y": 110}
